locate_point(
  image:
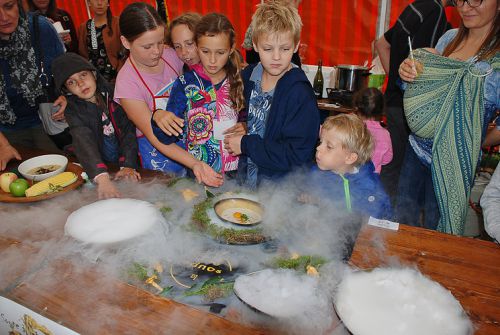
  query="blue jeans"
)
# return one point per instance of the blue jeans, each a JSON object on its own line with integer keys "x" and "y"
{"x": 416, "y": 193}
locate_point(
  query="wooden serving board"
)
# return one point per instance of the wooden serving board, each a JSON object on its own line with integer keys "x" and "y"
{"x": 7, "y": 197}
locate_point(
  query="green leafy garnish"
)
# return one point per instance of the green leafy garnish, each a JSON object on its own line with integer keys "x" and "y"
{"x": 212, "y": 289}
{"x": 165, "y": 210}
{"x": 139, "y": 271}
{"x": 299, "y": 263}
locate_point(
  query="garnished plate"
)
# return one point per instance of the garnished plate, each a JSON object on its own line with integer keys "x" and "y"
{"x": 240, "y": 211}
{"x": 206, "y": 220}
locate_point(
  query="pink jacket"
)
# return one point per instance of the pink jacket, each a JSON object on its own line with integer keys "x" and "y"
{"x": 382, "y": 153}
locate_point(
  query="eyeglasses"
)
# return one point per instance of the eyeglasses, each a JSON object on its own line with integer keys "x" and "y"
{"x": 471, "y": 3}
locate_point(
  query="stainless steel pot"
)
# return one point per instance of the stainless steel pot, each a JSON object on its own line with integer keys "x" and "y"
{"x": 351, "y": 77}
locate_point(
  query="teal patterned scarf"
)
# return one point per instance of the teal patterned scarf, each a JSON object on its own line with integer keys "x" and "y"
{"x": 445, "y": 103}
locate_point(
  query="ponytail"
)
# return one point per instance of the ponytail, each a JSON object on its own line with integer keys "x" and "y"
{"x": 233, "y": 70}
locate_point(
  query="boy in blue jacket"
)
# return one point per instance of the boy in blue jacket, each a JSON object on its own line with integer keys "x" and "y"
{"x": 282, "y": 114}
{"x": 344, "y": 172}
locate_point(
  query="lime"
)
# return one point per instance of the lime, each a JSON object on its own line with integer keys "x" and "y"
{"x": 18, "y": 187}
{"x": 23, "y": 181}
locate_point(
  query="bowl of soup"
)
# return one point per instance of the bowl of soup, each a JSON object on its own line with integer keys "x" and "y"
{"x": 42, "y": 167}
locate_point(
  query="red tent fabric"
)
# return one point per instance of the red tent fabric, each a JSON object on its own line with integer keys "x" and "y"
{"x": 338, "y": 31}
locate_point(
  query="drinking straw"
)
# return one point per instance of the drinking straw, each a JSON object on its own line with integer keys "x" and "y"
{"x": 411, "y": 55}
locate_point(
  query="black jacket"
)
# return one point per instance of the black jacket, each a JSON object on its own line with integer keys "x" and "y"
{"x": 85, "y": 122}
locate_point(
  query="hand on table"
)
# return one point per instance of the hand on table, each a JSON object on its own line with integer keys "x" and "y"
{"x": 168, "y": 122}
{"x": 7, "y": 152}
{"x": 105, "y": 187}
{"x": 128, "y": 174}
{"x": 206, "y": 175}
{"x": 232, "y": 143}
{"x": 62, "y": 103}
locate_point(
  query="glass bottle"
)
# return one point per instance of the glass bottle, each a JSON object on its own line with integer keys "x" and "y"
{"x": 318, "y": 81}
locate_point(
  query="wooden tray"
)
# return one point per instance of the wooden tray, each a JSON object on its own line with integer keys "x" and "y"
{"x": 7, "y": 197}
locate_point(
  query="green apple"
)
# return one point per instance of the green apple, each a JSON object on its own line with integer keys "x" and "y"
{"x": 6, "y": 179}
{"x": 23, "y": 181}
{"x": 18, "y": 187}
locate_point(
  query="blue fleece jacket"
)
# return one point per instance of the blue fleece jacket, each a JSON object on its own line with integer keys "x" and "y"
{"x": 367, "y": 196}
{"x": 292, "y": 127}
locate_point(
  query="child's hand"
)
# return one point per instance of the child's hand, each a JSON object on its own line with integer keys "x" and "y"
{"x": 105, "y": 188}
{"x": 238, "y": 129}
{"x": 128, "y": 174}
{"x": 206, "y": 175}
{"x": 168, "y": 122}
{"x": 306, "y": 198}
{"x": 232, "y": 144}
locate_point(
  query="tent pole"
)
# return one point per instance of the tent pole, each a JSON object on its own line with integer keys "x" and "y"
{"x": 383, "y": 17}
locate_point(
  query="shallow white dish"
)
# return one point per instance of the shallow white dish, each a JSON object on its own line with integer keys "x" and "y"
{"x": 38, "y": 161}
{"x": 14, "y": 317}
{"x": 281, "y": 293}
{"x": 227, "y": 209}
{"x": 393, "y": 301}
{"x": 112, "y": 220}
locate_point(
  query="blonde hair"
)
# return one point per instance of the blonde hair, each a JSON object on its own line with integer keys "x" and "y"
{"x": 276, "y": 16}
{"x": 353, "y": 135}
{"x": 188, "y": 19}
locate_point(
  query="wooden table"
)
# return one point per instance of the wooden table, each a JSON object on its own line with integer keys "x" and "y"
{"x": 469, "y": 268}
{"x": 332, "y": 109}
{"x": 87, "y": 301}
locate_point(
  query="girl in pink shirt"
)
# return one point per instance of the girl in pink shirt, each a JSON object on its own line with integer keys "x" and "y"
{"x": 369, "y": 103}
{"x": 143, "y": 88}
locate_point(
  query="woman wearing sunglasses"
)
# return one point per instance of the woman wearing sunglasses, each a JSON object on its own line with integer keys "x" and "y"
{"x": 452, "y": 94}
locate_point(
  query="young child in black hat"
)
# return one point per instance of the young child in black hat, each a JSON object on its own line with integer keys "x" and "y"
{"x": 100, "y": 128}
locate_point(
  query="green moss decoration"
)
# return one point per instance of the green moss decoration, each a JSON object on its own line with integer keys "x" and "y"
{"x": 202, "y": 222}
{"x": 299, "y": 264}
{"x": 165, "y": 210}
{"x": 212, "y": 289}
{"x": 174, "y": 180}
{"x": 138, "y": 271}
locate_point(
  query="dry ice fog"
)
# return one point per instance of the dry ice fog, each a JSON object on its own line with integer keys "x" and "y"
{"x": 283, "y": 300}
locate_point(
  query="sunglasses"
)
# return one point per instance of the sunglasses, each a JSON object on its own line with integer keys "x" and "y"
{"x": 471, "y": 3}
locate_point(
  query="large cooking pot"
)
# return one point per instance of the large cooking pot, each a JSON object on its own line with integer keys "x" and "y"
{"x": 351, "y": 77}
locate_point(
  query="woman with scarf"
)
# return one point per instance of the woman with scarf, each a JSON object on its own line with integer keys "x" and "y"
{"x": 448, "y": 103}
{"x": 22, "y": 79}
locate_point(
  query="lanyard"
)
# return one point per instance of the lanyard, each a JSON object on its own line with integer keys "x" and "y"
{"x": 347, "y": 193}
{"x": 153, "y": 96}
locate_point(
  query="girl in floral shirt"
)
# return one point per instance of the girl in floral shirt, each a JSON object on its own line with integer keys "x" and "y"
{"x": 204, "y": 102}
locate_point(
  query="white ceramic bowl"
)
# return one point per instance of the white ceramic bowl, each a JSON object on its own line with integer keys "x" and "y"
{"x": 34, "y": 162}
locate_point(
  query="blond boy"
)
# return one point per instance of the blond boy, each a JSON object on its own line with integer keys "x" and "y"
{"x": 344, "y": 171}
{"x": 282, "y": 114}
